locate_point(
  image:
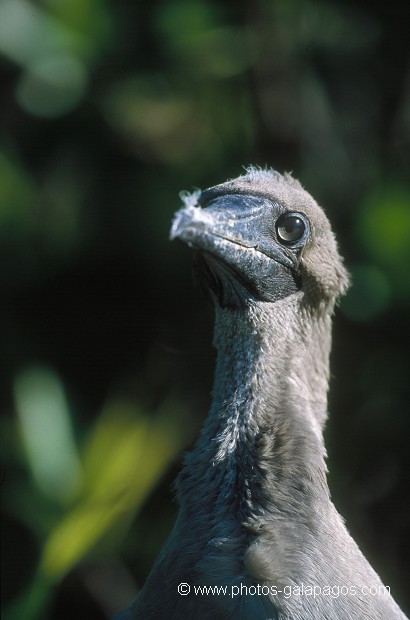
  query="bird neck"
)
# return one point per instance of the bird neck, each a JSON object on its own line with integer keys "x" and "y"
{"x": 264, "y": 429}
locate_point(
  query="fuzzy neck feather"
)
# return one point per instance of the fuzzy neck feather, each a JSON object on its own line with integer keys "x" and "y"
{"x": 260, "y": 455}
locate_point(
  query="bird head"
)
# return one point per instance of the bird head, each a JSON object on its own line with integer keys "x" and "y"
{"x": 261, "y": 236}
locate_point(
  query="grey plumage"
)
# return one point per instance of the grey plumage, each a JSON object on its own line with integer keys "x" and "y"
{"x": 255, "y": 511}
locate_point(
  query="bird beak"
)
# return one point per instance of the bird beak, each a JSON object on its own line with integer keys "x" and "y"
{"x": 233, "y": 236}
{"x": 239, "y": 219}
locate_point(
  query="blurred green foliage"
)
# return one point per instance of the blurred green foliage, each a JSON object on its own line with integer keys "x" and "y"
{"x": 87, "y": 500}
{"x": 108, "y": 111}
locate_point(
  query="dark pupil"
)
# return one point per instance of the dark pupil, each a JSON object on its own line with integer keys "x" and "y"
{"x": 291, "y": 228}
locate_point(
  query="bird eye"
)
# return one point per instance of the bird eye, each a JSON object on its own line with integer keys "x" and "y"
{"x": 290, "y": 228}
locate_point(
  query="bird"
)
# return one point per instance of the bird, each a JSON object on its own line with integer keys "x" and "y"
{"x": 257, "y": 536}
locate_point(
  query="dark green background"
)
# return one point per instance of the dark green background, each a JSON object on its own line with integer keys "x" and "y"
{"x": 108, "y": 110}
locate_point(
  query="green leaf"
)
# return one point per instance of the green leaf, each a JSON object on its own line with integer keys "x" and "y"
{"x": 126, "y": 455}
